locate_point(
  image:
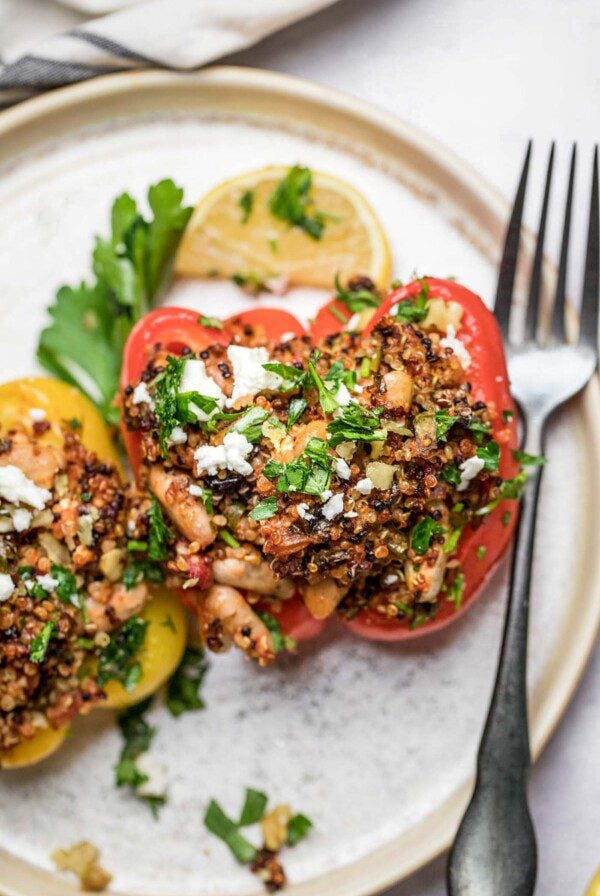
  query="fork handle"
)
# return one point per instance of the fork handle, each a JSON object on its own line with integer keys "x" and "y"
{"x": 495, "y": 852}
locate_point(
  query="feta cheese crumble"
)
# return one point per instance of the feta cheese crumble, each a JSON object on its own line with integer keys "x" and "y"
{"x": 155, "y": 772}
{"x": 286, "y": 337}
{"x": 178, "y": 436}
{"x": 249, "y": 374}
{"x": 364, "y": 486}
{"x": 7, "y": 586}
{"x": 230, "y": 455}
{"x": 333, "y": 507}
{"x": 390, "y": 579}
{"x": 141, "y": 395}
{"x": 342, "y": 396}
{"x": 196, "y": 490}
{"x": 47, "y": 582}
{"x": 17, "y": 488}
{"x": 195, "y": 379}
{"x": 469, "y": 469}
{"x": 326, "y": 495}
{"x": 351, "y": 514}
{"x": 21, "y": 519}
{"x": 36, "y": 415}
{"x": 450, "y": 341}
{"x": 341, "y": 468}
{"x": 304, "y": 512}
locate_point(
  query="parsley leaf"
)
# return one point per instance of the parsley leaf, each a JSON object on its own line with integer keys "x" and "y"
{"x": 223, "y": 827}
{"x": 142, "y": 568}
{"x": 450, "y": 473}
{"x": 159, "y": 533}
{"x": 90, "y": 323}
{"x": 39, "y": 645}
{"x": 250, "y": 423}
{"x": 356, "y": 424}
{"x": 296, "y": 408}
{"x": 280, "y": 641}
{"x": 356, "y": 299}
{"x": 326, "y": 399}
{"x": 291, "y": 202}
{"x": 183, "y": 690}
{"x": 310, "y": 473}
{"x": 490, "y": 455}
{"x": 413, "y": 311}
{"x": 422, "y": 534}
{"x": 529, "y": 460}
{"x": 212, "y": 322}
{"x": 66, "y": 590}
{"x": 298, "y": 827}
{"x": 118, "y": 659}
{"x": 138, "y": 735}
{"x": 291, "y": 376}
{"x": 173, "y": 408}
{"x": 264, "y": 510}
{"x": 246, "y": 203}
{"x": 455, "y": 591}
{"x": 253, "y": 810}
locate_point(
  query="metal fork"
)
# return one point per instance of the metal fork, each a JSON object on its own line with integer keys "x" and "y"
{"x": 495, "y": 853}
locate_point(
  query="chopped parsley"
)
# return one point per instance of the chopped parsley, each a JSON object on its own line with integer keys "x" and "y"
{"x": 250, "y": 423}
{"x": 310, "y": 473}
{"x": 356, "y": 299}
{"x": 456, "y": 590}
{"x": 298, "y": 827}
{"x": 246, "y": 203}
{"x": 142, "y": 568}
{"x": 326, "y": 399}
{"x": 356, "y": 424}
{"x": 490, "y": 455}
{"x": 414, "y": 310}
{"x": 212, "y": 322}
{"x": 452, "y": 539}
{"x": 507, "y": 416}
{"x": 39, "y": 645}
{"x": 506, "y": 517}
{"x": 118, "y": 659}
{"x": 219, "y": 824}
{"x": 481, "y": 551}
{"x": 529, "y": 460}
{"x": 183, "y": 689}
{"x": 450, "y": 473}
{"x": 66, "y": 590}
{"x": 291, "y": 376}
{"x": 511, "y": 489}
{"x": 250, "y": 282}
{"x": 423, "y": 532}
{"x": 280, "y": 641}
{"x": 83, "y": 345}
{"x": 253, "y": 811}
{"x": 138, "y": 735}
{"x": 173, "y": 408}
{"x": 226, "y": 536}
{"x": 296, "y": 408}
{"x": 291, "y": 201}
{"x": 34, "y": 589}
{"x": 254, "y": 808}
{"x": 159, "y": 534}
{"x": 264, "y": 510}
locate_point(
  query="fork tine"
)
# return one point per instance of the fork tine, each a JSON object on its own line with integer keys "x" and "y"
{"x": 508, "y": 265}
{"x": 558, "y": 312}
{"x": 588, "y": 334}
{"x": 533, "y": 301}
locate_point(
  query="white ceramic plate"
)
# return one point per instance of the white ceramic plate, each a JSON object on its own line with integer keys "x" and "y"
{"x": 375, "y": 742}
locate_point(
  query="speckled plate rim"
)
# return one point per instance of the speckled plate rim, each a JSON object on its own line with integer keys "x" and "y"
{"x": 435, "y": 174}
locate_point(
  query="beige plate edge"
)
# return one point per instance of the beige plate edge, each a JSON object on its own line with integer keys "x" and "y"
{"x": 265, "y": 94}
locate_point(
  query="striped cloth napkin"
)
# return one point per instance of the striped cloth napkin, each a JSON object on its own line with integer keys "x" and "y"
{"x": 45, "y": 44}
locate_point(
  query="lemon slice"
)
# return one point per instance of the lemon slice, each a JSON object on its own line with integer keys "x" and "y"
{"x": 594, "y": 887}
{"x": 233, "y": 231}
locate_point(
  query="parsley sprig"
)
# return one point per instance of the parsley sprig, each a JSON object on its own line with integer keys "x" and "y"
{"x": 90, "y": 322}
{"x": 292, "y": 202}
{"x": 138, "y": 735}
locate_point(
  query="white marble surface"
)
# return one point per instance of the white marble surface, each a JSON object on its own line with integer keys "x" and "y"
{"x": 482, "y": 78}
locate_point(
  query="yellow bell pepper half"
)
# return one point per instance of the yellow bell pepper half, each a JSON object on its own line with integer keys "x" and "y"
{"x": 167, "y": 630}
{"x": 160, "y": 653}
